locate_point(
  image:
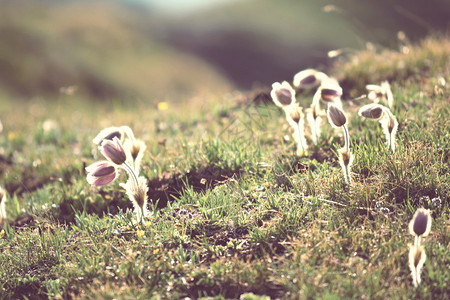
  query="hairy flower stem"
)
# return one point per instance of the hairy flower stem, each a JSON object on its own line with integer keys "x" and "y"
{"x": 346, "y": 157}
{"x": 346, "y": 138}
{"x": 130, "y": 172}
{"x": 301, "y": 142}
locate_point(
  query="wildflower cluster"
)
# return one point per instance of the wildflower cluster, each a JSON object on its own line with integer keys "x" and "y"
{"x": 419, "y": 227}
{"x": 122, "y": 152}
{"x": 328, "y": 92}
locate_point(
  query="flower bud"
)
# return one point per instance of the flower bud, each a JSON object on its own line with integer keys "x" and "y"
{"x": 420, "y": 224}
{"x": 336, "y": 116}
{"x": 113, "y": 151}
{"x": 100, "y": 173}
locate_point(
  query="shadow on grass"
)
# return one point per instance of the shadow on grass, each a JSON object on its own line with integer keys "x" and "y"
{"x": 161, "y": 191}
{"x": 32, "y": 286}
{"x": 170, "y": 186}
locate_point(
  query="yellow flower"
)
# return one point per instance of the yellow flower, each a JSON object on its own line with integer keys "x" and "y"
{"x": 140, "y": 233}
{"x": 163, "y": 105}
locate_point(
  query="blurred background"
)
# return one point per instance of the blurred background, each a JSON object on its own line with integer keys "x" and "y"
{"x": 170, "y": 50}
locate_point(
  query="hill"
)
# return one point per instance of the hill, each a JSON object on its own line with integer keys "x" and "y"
{"x": 103, "y": 48}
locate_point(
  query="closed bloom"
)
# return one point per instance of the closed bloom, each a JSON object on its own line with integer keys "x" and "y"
{"x": 420, "y": 224}
{"x": 101, "y": 173}
{"x": 113, "y": 151}
{"x": 136, "y": 149}
{"x": 336, "y": 116}
{"x": 282, "y": 94}
{"x": 308, "y": 78}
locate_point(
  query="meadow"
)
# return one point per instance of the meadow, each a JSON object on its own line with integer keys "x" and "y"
{"x": 234, "y": 212}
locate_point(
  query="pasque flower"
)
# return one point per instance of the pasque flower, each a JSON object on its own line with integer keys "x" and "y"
{"x": 101, "y": 173}
{"x": 133, "y": 147}
{"x": 113, "y": 151}
{"x": 282, "y": 94}
{"x": 381, "y": 92}
{"x": 120, "y": 157}
{"x": 388, "y": 121}
{"x": 108, "y": 134}
{"x": 329, "y": 91}
{"x": 308, "y": 78}
{"x": 337, "y": 119}
{"x": 419, "y": 227}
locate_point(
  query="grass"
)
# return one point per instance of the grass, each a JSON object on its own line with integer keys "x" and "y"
{"x": 238, "y": 213}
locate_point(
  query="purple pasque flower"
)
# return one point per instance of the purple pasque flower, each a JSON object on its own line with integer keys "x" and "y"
{"x": 113, "y": 151}
{"x": 108, "y": 134}
{"x": 282, "y": 94}
{"x": 308, "y": 78}
{"x": 101, "y": 173}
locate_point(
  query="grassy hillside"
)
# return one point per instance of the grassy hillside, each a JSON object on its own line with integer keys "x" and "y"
{"x": 262, "y": 41}
{"x": 233, "y": 211}
{"x": 103, "y": 48}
